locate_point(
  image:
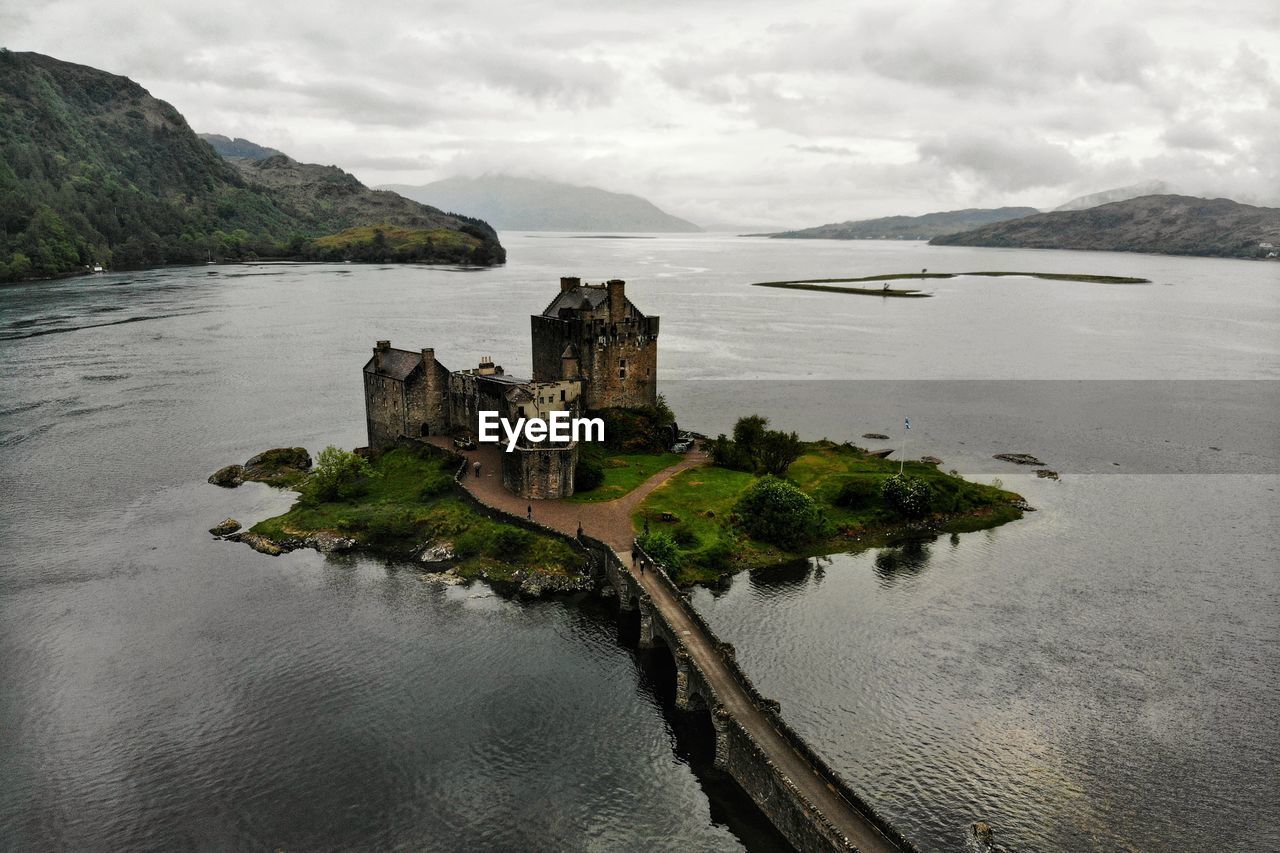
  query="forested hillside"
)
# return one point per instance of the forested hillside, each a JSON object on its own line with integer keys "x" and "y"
{"x": 95, "y": 170}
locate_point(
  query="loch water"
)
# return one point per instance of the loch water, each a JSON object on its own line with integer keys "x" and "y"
{"x": 1101, "y": 675}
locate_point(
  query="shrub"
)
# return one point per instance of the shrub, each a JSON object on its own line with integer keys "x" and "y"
{"x": 434, "y": 488}
{"x": 756, "y": 448}
{"x": 511, "y": 544}
{"x": 777, "y": 512}
{"x": 860, "y": 491}
{"x": 663, "y": 548}
{"x": 340, "y": 475}
{"x": 907, "y": 495}
{"x": 588, "y": 474}
{"x": 389, "y": 528}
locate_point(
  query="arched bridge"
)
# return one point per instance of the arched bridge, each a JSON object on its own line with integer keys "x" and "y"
{"x": 804, "y": 798}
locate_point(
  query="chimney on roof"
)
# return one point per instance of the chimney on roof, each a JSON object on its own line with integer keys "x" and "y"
{"x": 617, "y": 298}
{"x": 569, "y": 282}
{"x": 428, "y": 361}
{"x": 378, "y": 352}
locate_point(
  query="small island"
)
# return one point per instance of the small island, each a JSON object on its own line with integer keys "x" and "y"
{"x": 542, "y": 517}
{"x": 831, "y": 285}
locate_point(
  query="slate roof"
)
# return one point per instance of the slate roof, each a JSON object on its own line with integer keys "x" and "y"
{"x": 579, "y": 298}
{"x": 396, "y": 363}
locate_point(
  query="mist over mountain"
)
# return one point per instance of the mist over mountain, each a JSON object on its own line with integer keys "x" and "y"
{"x": 1118, "y": 194}
{"x": 1163, "y": 224}
{"x": 527, "y": 204}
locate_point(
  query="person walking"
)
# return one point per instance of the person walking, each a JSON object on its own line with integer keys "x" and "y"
{"x": 477, "y": 469}
{"x": 529, "y": 513}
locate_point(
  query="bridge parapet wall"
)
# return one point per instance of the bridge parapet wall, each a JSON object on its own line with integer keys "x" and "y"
{"x": 739, "y": 754}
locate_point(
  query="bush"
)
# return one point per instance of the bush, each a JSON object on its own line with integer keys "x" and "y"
{"x": 390, "y": 528}
{"x": 511, "y": 544}
{"x": 588, "y": 474}
{"x": 756, "y": 448}
{"x": 339, "y": 475}
{"x": 434, "y": 488}
{"x": 860, "y": 491}
{"x": 777, "y": 512}
{"x": 907, "y": 495}
{"x": 663, "y": 548}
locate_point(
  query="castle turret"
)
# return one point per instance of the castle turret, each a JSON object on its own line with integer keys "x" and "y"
{"x": 570, "y": 367}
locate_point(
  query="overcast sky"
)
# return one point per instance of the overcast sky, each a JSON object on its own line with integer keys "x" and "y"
{"x": 742, "y": 112}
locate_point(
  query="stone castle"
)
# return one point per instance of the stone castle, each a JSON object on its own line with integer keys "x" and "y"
{"x": 592, "y": 349}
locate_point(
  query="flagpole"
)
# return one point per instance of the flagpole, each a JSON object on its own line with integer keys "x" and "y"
{"x": 906, "y": 431}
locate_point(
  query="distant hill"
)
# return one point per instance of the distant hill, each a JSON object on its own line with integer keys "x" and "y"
{"x": 334, "y": 200}
{"x": 526, "y": 204}
{"x": 95, "y": 170}
{"x": 909, "y": 227}
{"x": 233, "y": 148}
{"x": 1118, "y": 194}
{"x": 1164, "y": 224}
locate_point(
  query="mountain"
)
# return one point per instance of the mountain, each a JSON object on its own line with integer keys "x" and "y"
{"x": 1118, "y": 194}
{"x": 909, "y": 227}
{"x": 234, "y": 148}
{"x": 1164, "y": 224}
{"x": 526, "y": 204}
{"x": 332, "y": 199}
{"x": 95, "y": 170}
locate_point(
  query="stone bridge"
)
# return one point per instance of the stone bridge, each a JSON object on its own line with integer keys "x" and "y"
{"x": 805, "y": 799}
{"x": 808, "y": 802}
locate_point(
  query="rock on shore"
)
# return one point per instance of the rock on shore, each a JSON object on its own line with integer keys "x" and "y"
{"x": 225, "y": 527}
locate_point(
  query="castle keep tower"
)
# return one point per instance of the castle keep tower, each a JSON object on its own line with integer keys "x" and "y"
{"x": 592, "y": 332}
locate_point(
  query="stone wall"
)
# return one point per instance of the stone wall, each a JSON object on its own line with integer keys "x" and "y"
{"x": 425, "y": 397}
{"x": 540, "y": 473}
{"x": 384, "y": 408}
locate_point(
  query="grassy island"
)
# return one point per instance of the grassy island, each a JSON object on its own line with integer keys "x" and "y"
{"x": 405, "y": 500}
{"x": 826, "y": 284}
{"x": 707, "y": 520}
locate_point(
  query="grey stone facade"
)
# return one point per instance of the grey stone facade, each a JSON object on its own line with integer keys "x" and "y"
{"x": 592, "y": 349}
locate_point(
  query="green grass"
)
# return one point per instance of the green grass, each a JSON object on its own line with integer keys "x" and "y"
{"x": 413, "y": 500}
{"x": 624, "y": 472}
{"x": 701, "y": 500}
{"x": 398, "y": 239}
{"x": 807, "y": 283}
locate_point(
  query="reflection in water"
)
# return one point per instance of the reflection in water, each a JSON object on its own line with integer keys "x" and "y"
{"x": 905, "y": 560}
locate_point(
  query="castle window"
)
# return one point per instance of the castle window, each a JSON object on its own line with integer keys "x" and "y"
{"x": 561, "y": 395}
{"x": 622, "y": 368}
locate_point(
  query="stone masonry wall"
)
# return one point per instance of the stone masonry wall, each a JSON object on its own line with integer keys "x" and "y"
{"x": 540, "y": 473}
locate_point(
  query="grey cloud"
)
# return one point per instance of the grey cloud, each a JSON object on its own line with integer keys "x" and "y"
{"x": 1005, "y": 162}
{"x": 1196, "y": 136}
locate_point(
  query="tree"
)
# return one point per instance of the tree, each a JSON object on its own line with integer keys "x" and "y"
{"x": 339, "y": 475}
{"x": 756, "y": 448}
{"x": 777, "y": 451}
{"x": 777, "y": 512}
{"x": 662, "y": 547}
